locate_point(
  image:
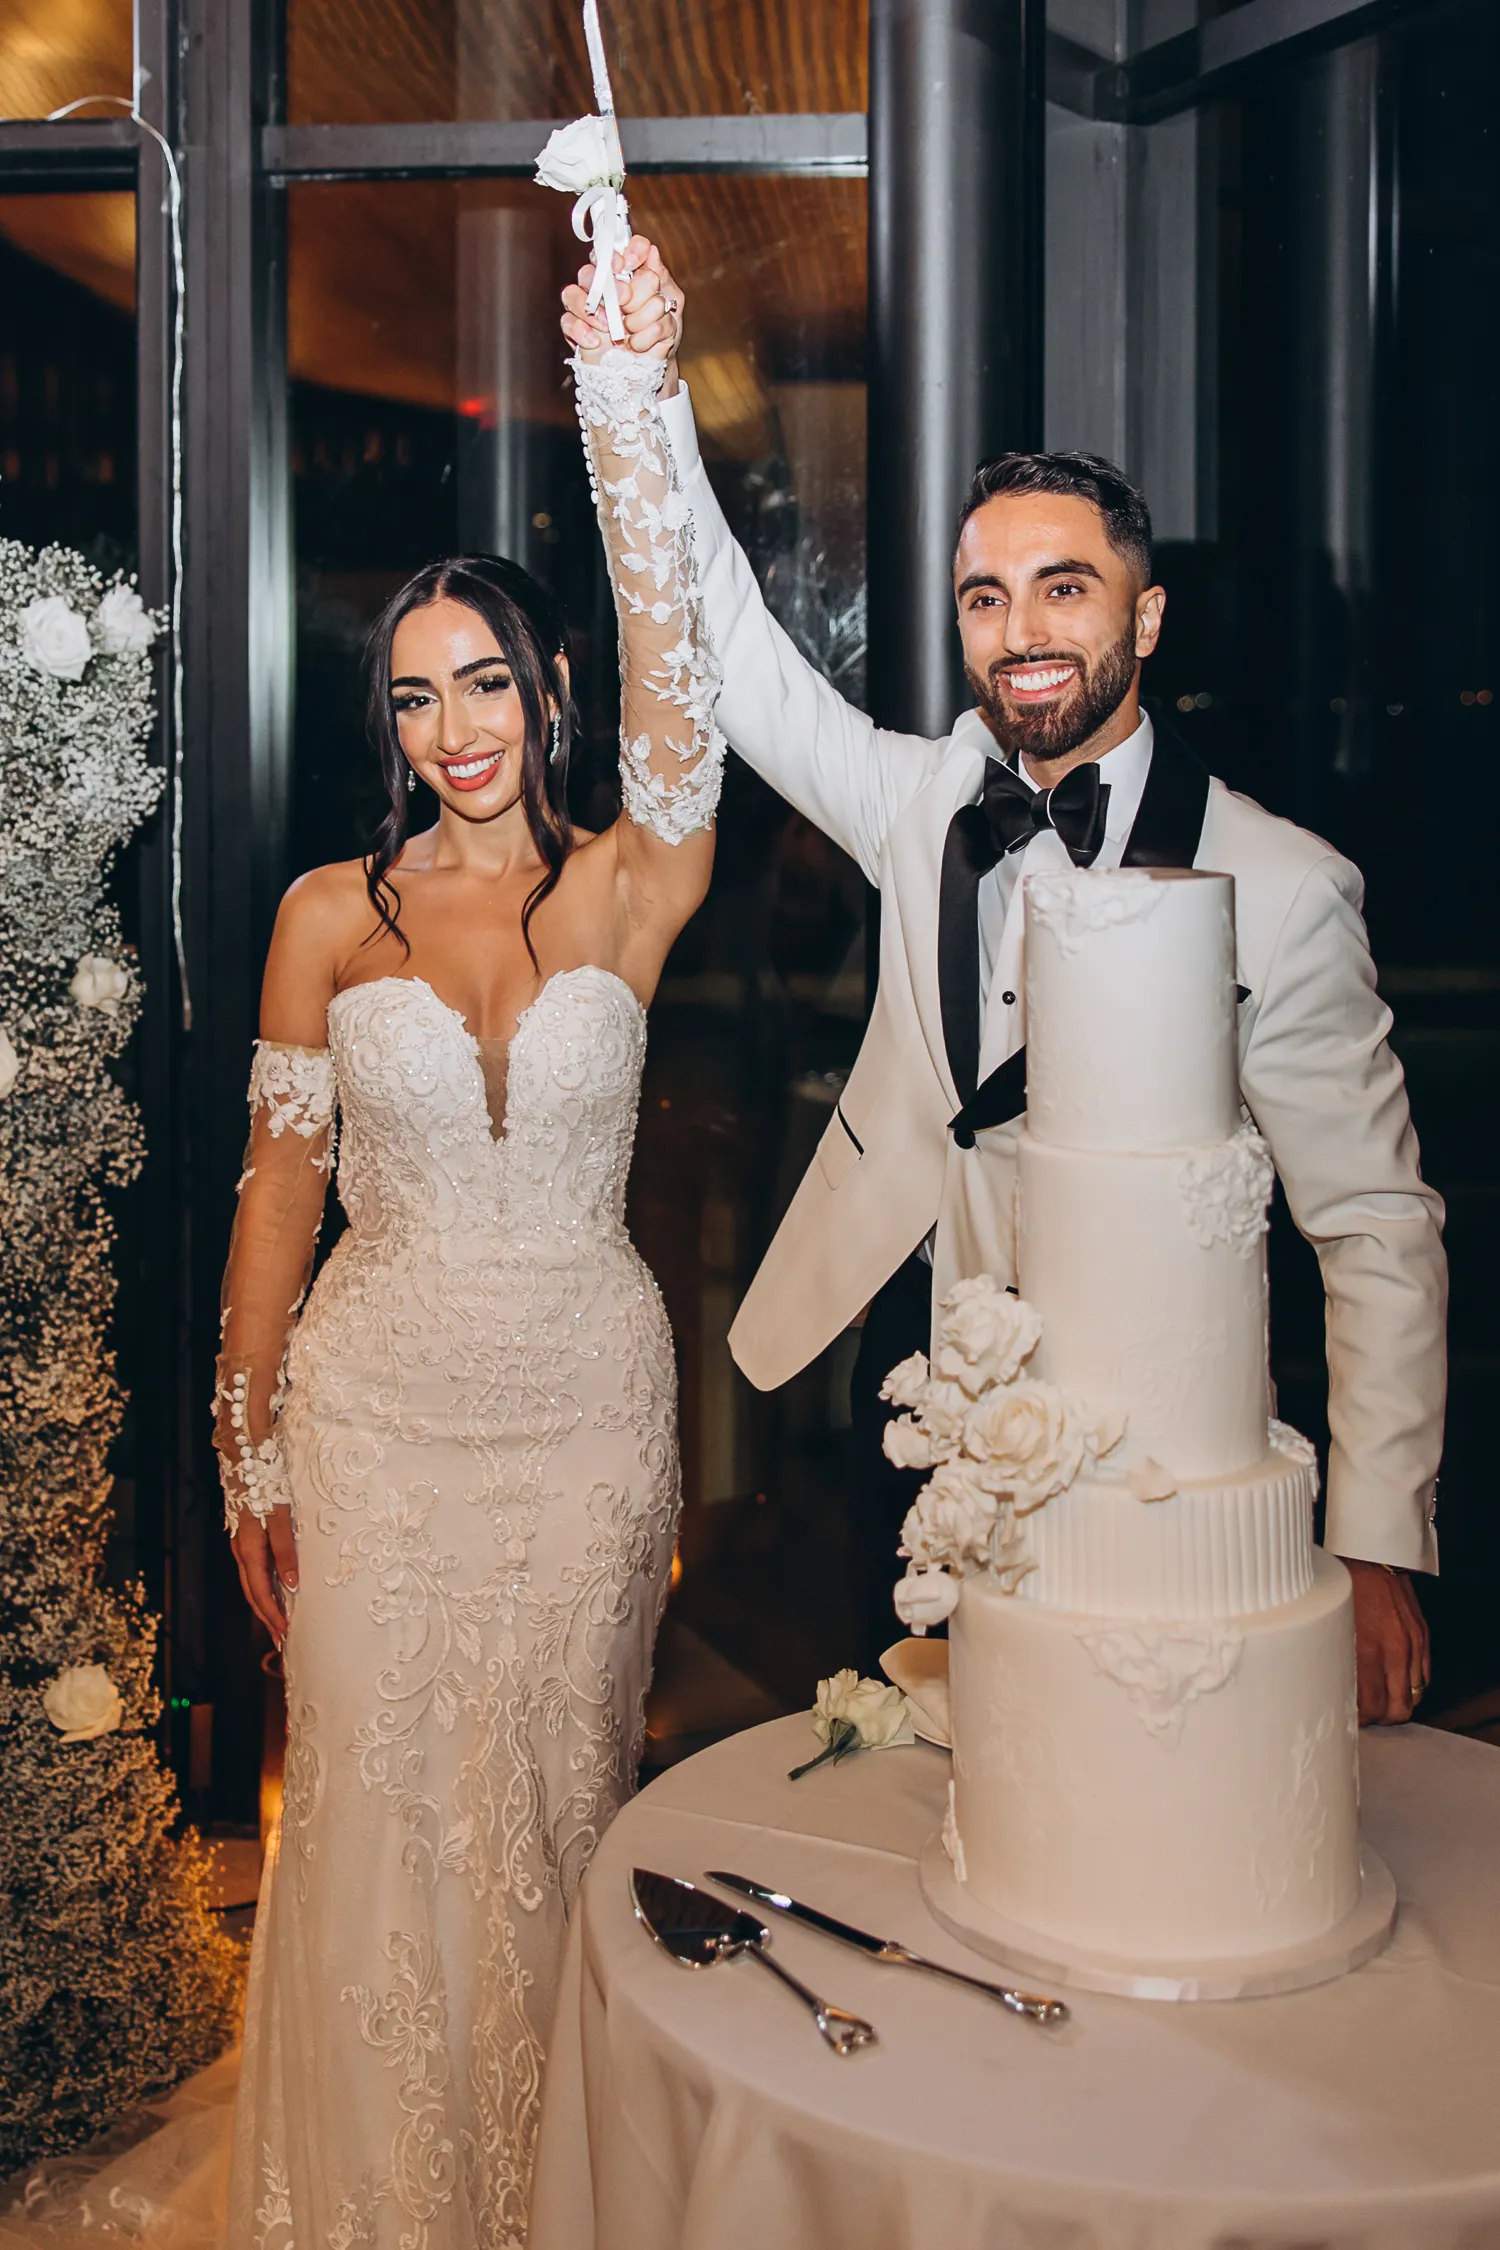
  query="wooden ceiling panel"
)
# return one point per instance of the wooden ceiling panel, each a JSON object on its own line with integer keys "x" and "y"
{"x": 773, "y": 268}
{"x": 368, "y": 61}
{"x": 56, "y": 51}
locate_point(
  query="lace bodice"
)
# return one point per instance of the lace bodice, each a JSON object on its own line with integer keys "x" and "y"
{"x": 417, "y": 1154}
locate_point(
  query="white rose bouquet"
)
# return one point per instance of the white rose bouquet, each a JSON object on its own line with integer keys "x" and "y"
{"x": 999, "y": 1444}
{"x": 853, "y": 1714}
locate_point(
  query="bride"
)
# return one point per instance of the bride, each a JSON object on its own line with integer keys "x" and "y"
{"x": 452, "y": 1477}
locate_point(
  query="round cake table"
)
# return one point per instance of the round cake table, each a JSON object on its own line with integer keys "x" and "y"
{"x": 701, "y": 2111}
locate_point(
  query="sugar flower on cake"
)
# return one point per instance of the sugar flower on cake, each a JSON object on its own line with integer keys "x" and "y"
{"x": 984, "y": 1334}
{"x": 83, "y": 1703}
{"x": 951, "y": 1518}
{"x": 54, "y": 638}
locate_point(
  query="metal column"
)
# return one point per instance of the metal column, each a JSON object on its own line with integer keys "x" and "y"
{"x": 957, "y": 95}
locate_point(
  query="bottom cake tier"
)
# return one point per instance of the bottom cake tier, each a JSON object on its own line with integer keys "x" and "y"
{"x": 1149, "y": 1792}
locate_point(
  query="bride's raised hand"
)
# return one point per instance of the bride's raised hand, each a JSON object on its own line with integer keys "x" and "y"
{"x": 651, "y": 303}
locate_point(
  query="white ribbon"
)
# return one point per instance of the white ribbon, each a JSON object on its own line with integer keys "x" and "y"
{"x": 601, "y": 217}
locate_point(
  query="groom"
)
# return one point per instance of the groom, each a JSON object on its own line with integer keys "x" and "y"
{"x": 913, "y": 1183}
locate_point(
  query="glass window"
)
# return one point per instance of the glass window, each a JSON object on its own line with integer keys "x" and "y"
{"x": 1309, "y": 279}
{"x": 67, "y": 373}
{"x": 56, "y": 51}
{"x": 429, "y": 412}
{"x": 372, "y": 60}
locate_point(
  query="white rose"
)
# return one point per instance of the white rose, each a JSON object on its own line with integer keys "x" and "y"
{"x": 122, "y": 623}
{"x": 905, "y": 1384}
{"x": 984, "y": 1334}
{"x": 907, "y": 1445}
{"x": 99, "y": 982}
{"x": 942, "y": 1411}
{"x": 1030, "y": 1440}
{"x": 582, "y": 155}
{"x": 83, "y": 1703}
{"x": 877, "y": 1713}
{"x": 951, "y": 1519}
{"x": 10, "y": 1064}
{"x": 925, "y": 1597}
{"x": 54, "y": 638}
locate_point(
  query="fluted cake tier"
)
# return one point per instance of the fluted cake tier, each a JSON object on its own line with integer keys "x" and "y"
{"x": 1227, "y": 1548}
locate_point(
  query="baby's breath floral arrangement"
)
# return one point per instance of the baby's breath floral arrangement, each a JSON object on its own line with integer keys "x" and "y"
{"x": 114, "y": 1978}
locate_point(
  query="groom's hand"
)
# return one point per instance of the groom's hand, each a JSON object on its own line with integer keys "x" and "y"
{"x": 650, "y": 301}
{"x": 1391, "y": 1650}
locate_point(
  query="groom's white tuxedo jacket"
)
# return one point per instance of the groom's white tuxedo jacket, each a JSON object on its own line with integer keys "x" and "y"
{"x": 1316, "y": 1072}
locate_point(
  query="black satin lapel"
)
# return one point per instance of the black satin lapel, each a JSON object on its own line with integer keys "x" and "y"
{"x": 965, "y": 857}
{"x": 999, "y": 1099}
{"x": 1168, "y": 825}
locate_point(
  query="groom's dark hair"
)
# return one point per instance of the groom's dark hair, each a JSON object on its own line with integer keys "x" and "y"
{"x": 1082, "y": 476}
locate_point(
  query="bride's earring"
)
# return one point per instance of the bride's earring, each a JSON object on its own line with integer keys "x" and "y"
{"x": 411, "y": 781}
{"x": 556, "y": 736}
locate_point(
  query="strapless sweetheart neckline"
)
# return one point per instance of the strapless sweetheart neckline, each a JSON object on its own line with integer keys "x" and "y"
{"x": 558, "y": 976}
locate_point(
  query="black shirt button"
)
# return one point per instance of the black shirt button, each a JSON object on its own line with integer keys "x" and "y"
{"x": 1009, "y": 998}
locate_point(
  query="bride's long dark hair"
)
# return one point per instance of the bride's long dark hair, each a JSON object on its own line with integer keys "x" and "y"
{"x": 530, "y": 631}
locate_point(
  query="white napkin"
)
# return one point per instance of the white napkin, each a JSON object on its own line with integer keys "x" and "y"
{"x": 919, "y": 1668}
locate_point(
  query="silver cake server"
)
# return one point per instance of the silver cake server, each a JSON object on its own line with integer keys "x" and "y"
{"x": 699, "y": 1931}
{"x": 1032, "y": 2004}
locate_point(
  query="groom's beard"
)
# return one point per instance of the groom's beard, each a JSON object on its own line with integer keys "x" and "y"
{"x": 1054, "y": 730}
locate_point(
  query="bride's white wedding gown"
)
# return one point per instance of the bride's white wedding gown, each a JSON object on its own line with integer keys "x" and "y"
{"x": 477, "y": 1431}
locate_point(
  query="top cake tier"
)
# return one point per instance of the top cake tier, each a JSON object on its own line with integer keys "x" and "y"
{"x": 1130, "y": 1000}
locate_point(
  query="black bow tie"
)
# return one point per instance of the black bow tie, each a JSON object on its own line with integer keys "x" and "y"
{"x": 1075, "y": 808}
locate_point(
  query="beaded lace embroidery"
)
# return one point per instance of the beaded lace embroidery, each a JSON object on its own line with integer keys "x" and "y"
{"x": 647, "y": 528}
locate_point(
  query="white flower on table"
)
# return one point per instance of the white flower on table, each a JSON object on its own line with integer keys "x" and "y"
{"x": 99, "y": 983}
{"x": 83, "y": 1703}
{"x": 582, "y": 155}
{"x": 853, "y": 1714}
{"x": 10, "y": 1064}
{"x": 123, "y": 625}
{"x": 984, "y": 1334}
{"x": 54, "y": 638}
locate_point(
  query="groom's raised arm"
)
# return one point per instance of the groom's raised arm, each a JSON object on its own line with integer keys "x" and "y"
{"x": 850, "y": 777}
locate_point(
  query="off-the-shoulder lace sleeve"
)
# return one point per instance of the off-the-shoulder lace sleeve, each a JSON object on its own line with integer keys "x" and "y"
{"x": 282, "y": 1192}
{"x": 671, "y": 753}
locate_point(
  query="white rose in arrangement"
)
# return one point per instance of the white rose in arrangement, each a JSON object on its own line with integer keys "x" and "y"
{"x": 943, "y": 1413}
{"x": 854, "y": 1714}
{"x": 54, "y": 638}
{"x": 83, "y": 1703}
{"x": 10, "y": 1064}
{"x": 951, "y": 1519}
{"x": 906, "y": 1385}
{"x": 100, "y": 983}
{"x": 984, "y": 1334}
{"x": 582, "y": 155}
{"x": 122, "y": 623}
{"x": 907, "y": 1445}
{"x": 924, "y": 1598}
{"x": 1028, "y": 1440}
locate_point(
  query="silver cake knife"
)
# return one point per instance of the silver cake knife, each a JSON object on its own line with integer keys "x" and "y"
{"x": 1032, "y": 2004}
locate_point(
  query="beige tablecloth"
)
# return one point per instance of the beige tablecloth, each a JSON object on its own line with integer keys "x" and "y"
{"x": 702, "y": 2112}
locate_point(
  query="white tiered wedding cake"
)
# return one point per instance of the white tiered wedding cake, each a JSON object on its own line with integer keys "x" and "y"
{"x": 1152, "y": 1667}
